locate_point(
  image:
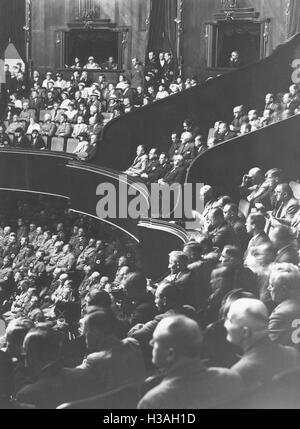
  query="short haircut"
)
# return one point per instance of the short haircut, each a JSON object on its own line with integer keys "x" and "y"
{"x": 233, "y": 251}
{"x": 258, "y": 220}
{"x": 184, "y": 335}
{"x": 171, "y": 293}
{"x": 287, "y": 189}
{"x": 99, "y": 298}
{"x": 275, "y": 172}
{"x": 47, "y": 343}
{"x": 217, "y": 213}
{"x": 102, "y": 320}
{"x": 288, "y": 275}
{"x": 283, "y": 233}
{"x": 135, "y": 281}
{"x": 232, "y": 208}
{"x": 180, "y": 257}
{"x": 17, "y": 329}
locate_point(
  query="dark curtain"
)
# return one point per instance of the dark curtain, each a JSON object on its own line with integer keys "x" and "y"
{"x": 12, "y": 21}
{"x": 162, "y": 31}
{"x": 294, "y": 18}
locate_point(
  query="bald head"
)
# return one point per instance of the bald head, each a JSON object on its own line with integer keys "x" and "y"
{"x": 247, "y": 321}
{"x": 256, "y": 175}
{"x": 175, "y": 338}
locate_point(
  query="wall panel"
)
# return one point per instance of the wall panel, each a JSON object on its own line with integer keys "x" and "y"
{"x": 197, "y": 12}
{"x": 52, "y": 15}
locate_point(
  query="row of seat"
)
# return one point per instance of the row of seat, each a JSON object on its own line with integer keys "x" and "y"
{"x": 58, "y": 144}
{"x": 41, "y": 115}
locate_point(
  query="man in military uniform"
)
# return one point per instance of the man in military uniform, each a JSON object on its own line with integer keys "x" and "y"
{"x": 6, "y": 279}
{"x": 67, "y": 259}
{"x": 12, "y": 248}
{"x": 87, "y": 253}
{"x": 55, "y": 257}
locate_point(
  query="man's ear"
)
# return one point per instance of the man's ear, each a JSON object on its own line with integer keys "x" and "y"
{"x": 171, "y": 355}
{"x": 246, "y": 332}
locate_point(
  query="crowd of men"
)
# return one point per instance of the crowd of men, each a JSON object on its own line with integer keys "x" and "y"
{"x": 277, "y": 108}
{"x": 81, "y": 318}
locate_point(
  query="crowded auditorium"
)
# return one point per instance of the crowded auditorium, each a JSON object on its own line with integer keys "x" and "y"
{"x": 149, "y": 204}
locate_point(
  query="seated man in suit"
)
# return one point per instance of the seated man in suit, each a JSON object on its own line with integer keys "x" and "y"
{"x": 4, "y": 139}
{"x": 218, "y": 230}
{"x": 255, "y": 226}
{"x": 110, "y": 363}
{"x": 176, "y": 143}
{"x": 161, "y": 169}
{"x": 12, "y": 371}
{"x": 284, "y": 287}
{"x": 48, "y": 127}
{"x": 237, "y": 221}
{"x": 287, "y": 205}
{"x": 177, "y": 343}
{"x": 15, "y": 124}
{"x": 20, "y": 139}
{"x": 285, "y": 245}
{"x": 138, "y": 303}
{"x": 48, "y": 389}
{"x": 187, "y": 147}
{"x": 37, "y": 141}
{"x": 182, "y": 278}
{"x": 64, "y": 129}
{"x": 224, "y": 133}
{"x": 27, "y": 113}
{"x": 253, "y": 187}
{"x": 152, "y": 165}
{"x": 79, "y": 127}
{"x": 201, "y": 269}
{"x": 139, "y": 163}
{"x": 239, "y": 118}
{"x": 247, "y": 327}
{"x": 167, "y": 301}
{"x": 175, "y": 174}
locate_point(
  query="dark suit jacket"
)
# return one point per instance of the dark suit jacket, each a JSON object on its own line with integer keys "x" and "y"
{"x": 38, "y": 143}
{"x": 264, "y": 360}
{"x": 222, "y": 235}
{"x": 175, "y": 176}
{"x": 287, "y": 211}
{"x": 23, "y": 142}
{"x": 160, "y": 172}
{"x": 258, "y": 240}
{"x": 281, "y": 322}
{"x": 288, "y": 254}
{"x": 192, "y": 386}
{"x": 119, "y": 364}
{"x": 49, "y": 390}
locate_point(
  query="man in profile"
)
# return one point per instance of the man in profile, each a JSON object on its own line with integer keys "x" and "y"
{"x": 111, "y": 363}
{"x": 186, "y": 383}
{"x": 247, "y": 327}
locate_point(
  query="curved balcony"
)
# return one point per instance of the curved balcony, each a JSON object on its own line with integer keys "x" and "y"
{"x": 205, "y": 104}
{"x": 223, "y": 166}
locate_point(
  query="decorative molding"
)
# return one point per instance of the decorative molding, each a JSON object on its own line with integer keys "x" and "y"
{"x": 28, "y": 34}
{"x": 180, "y": 30}
{"x": 229, "y": 4}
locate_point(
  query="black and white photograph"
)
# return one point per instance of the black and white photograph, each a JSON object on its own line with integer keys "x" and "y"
{"x": 149, "y": 207}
